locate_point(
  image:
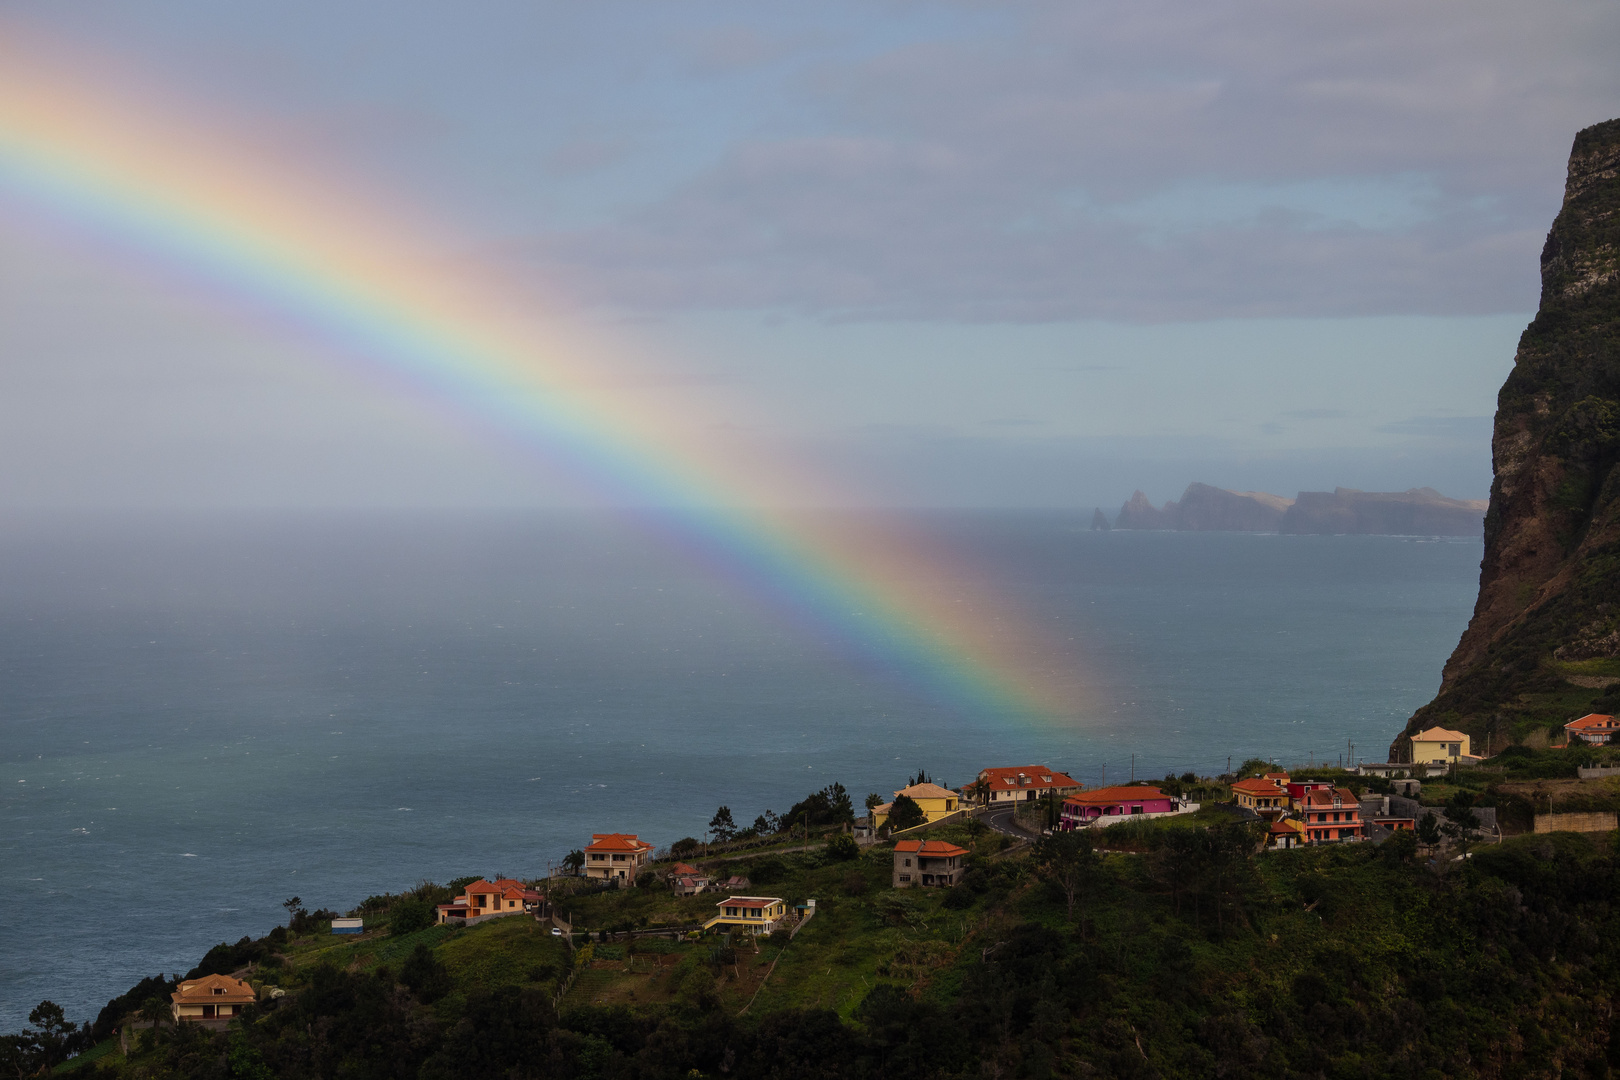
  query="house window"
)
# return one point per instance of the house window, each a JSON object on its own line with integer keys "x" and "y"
{"x": 905, "y": 877}
{"x": 908, "y": 862}
{"x": 1136, "y": 809}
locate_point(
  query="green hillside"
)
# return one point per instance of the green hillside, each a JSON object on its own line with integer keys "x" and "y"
{"x": 1189, "y": 955}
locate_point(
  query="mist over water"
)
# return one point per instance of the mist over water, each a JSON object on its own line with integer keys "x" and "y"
{"x": 202, "y": 716}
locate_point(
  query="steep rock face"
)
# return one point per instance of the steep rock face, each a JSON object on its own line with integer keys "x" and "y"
{"x": 1212, "y": 509}
{"x": 1139, "y": 513}
{"x": 1418, "y": 512}
{"x": 1550, "y": 580}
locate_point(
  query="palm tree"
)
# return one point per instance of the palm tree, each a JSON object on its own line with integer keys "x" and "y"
{"x": 156, "y": 1010}
{"x": 574, "y": 861}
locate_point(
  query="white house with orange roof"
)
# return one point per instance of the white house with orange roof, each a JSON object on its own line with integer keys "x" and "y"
{"x": 1593, "y": 729}
{"x": 211, "y": 1000}
{"x": 1022, "y": 783}
{"x": 487, "y": 899}
{"x": 616, "y": 857}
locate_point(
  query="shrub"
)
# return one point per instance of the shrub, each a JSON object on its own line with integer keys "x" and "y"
{"x": 766, "y": 870}
{"x": 904, "y": 813}
{"x": 409, "y": 916}
{"x": 843, "y": 847}
{"x": 855, "y": 883}
{"x": 425, "y": 975}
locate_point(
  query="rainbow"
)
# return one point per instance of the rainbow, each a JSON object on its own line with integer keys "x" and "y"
{"x": 378, "y": 285}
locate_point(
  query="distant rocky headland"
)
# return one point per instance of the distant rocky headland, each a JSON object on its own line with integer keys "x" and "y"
{"x": 1203, "y": 508}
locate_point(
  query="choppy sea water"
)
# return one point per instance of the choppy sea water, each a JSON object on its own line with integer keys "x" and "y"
{"x": 202, "y": 716}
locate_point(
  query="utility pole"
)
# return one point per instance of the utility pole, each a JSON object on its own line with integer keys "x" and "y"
{"x": 1105, "y": 774}
{"x": 1133, "y": 768}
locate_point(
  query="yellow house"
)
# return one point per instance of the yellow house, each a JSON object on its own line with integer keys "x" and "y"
{"x": 1437, "y": 746}
{"x": 1264, "y": 797}
{"x": 755, "y": 914}
{"x": 936, "y": 802}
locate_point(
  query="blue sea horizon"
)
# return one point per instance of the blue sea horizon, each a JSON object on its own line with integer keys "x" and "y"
{"x": 205, "y": 714}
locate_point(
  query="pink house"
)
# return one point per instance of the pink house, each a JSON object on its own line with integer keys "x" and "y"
{"x": 1111, "y": 804}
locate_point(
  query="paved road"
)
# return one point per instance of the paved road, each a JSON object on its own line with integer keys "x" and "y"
{"x": 1002, "y": 822}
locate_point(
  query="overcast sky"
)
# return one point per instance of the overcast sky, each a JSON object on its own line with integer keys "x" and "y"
{"x": 972, "y": 254}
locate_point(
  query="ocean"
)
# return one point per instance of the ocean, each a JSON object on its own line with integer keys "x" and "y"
{"x": 203, "y": 715}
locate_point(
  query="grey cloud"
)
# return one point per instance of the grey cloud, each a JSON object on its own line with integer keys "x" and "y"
{"x": 1461, "y": 428}
{"x": 1316, "y": 414}
{"x": 1011, "y": 176}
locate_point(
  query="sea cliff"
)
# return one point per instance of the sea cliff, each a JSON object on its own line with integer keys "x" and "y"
{"x": 1545, "y": 633}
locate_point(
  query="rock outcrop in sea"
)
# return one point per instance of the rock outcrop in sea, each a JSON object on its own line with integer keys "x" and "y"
{"x": 1203, "y": 508}
{"x": 1549, "y": 587}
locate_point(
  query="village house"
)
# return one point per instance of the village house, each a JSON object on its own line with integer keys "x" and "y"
{"x": 211, "y": 1000}
{"x": 482, "y": 899}
{"x": 934, "y": 801}
{"x": 1376, "y": 810}
{"x": 927, "y": 862}
{"x": 751, "y": 914}
{"x": 616, "y": 857}
{"x": 1332, "y": 815}
{"x": 1593, "y": 729}
{"x": 1022, "y": 783}
{"x": 1439, "y": 746}
{"x": 687, "y": 880}
{"x": 1298, "y": 789}
{"x": 1264, "y": 797}
{"x": 1105, "y": 804}
{"x": 1285, "y": 834}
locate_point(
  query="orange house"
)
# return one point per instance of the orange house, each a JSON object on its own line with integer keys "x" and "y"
{"x": 211, "y": 998}
{"x": 1594, "y": 729}
{"x": 483, "y": 898}
{"x": 1333, "y": 816}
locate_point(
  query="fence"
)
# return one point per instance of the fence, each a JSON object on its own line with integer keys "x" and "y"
{"x": 1600, "y": 821}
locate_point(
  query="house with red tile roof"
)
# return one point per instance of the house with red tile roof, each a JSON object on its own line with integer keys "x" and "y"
{"x": 1593, "y": 729}
{"x": 616, "y": 857}
{"x": 1264, "y": 797}
{"x": 927, "y": 862}
{"x": 1023, "y": 783}
{"x": 486, "y": 899}
{"x": 211, "y": 1000}
{"x": 1333, "y": 816}
{"x": 1285, "y": 834}
{"x": 1298, "y": 789}
{"x": 1105, "y": 806}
